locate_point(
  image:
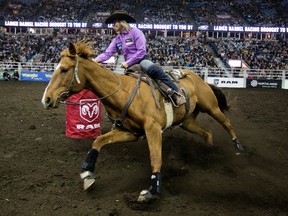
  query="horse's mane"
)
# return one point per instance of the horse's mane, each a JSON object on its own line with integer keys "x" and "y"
{"x": 83, "y": 50}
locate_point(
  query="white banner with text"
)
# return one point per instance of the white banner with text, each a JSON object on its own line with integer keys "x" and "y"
{"x": 226, "y": 82}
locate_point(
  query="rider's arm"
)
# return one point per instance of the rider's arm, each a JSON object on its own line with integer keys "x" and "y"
{"x": 112, "y": 48}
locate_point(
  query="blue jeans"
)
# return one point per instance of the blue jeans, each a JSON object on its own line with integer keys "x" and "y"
{"x": 157, "y": 73}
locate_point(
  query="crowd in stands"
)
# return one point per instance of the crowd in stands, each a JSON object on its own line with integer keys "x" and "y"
{"x": 180, "y": 52}
{"x": 99, "y": 10}
{"x": 215, "y": 13}
{"x": 258, "y": 54}
{"x": 263, "y": 13}
{"x": 169, "y": 11}
{"x": 221, "y": 12}
{"x": 173, "y": 51}
{"x": 24, "y": 47}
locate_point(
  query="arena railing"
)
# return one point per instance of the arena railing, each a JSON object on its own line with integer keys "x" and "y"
{"x": 28, "y": 66}
{"x": 204, "y": 72}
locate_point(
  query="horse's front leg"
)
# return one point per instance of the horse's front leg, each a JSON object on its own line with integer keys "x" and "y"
{"x": 88, "y": 166}
{"x": 154, "y": 137}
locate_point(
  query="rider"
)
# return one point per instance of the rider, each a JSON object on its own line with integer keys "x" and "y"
{"x": 132, "y": 44}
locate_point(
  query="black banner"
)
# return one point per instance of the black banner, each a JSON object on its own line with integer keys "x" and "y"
{"x": 263, "y": 83}
{"x": 148, "y": 26}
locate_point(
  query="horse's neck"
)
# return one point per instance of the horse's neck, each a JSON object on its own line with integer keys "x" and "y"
{"x": 103, "y": 81}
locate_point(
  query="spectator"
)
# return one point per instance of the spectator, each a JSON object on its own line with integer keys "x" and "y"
{"x": 15, "y": 75}
{"x": 6, "y": 75}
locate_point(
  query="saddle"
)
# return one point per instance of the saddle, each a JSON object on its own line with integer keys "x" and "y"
{"x": 137, "y": 72}
{"x": 175, "y": 74}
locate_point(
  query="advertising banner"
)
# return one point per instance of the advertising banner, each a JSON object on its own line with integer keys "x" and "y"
{"x": 226, "y": 82}
{"x": 150, "y": 26}
{"x": 36, "y": 76}
{"x": 285, "y": 84}
{"x": 83, "y": 115}
{"x": 263, "y": 83}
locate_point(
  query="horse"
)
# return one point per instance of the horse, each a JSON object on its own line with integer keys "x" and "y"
{"x": 135, "y": 116}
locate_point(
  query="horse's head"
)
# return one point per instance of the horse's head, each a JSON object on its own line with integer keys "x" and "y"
{"x": 67, "y": 78}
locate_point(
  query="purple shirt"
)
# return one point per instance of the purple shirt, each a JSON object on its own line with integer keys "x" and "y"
{"x": 132, "y": 45}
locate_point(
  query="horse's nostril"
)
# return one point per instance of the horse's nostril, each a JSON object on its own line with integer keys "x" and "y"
{"x": 48, "y": 102}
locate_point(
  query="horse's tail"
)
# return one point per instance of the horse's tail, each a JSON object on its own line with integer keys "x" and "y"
{"x": 221, "y": 98}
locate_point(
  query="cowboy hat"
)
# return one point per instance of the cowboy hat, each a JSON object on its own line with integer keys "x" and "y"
{"x": 120, "y": 15}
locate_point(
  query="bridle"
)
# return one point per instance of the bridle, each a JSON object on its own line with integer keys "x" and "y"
{"x": 67, "y": 93}
{"x": 75, "y": 76}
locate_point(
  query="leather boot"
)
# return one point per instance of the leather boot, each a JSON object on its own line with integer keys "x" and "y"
{"x": 178, "y": 99}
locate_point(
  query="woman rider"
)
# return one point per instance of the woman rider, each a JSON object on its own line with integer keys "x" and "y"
{"x": 132, "y": 44}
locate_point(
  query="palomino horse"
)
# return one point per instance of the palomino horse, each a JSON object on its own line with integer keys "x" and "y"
{"x": 77, "y": 70}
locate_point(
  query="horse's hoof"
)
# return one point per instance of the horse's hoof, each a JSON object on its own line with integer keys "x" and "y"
{"x": 146, "y": 196}
{"x": 88, "y": 183}
{"x": 238, "y": 145}
{"x": 88, "y": 178}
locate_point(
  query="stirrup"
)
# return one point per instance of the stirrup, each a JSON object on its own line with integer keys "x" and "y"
{"x": 177, "y": 99}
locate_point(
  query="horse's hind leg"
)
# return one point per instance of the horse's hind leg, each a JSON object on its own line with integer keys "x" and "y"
{"x": 225, "y": 122}
{"x": 190, "y": 125}
{"x": 153, "y": 132}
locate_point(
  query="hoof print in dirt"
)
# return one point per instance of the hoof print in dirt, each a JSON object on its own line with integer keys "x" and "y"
{"x": 32, "y": 127}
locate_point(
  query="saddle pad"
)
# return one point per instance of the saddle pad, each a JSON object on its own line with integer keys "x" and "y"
{"x": 169, "y": 113}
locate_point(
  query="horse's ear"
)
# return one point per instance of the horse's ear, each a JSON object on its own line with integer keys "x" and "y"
{"x": 72, "y": 49}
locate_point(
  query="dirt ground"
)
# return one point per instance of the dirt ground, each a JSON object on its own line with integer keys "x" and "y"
{"x": 39, "y": 166}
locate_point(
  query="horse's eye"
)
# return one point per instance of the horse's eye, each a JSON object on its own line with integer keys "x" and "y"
{"x": 64, "y": 70}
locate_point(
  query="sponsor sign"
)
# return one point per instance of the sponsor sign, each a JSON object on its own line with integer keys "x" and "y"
{"x": 226, "y": 82}
{"x": 263, "y": 83}
{"x": 89, "y": 109}
{"x": 285, "y": 84}
{"x": 31, "y": 24}
{"x": 150, "y": 26}
{"x": 83, "y": 115}
{"x": 36, "y": 76}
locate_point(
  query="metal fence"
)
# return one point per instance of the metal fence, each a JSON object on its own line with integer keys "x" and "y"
{"x": 204, "y": 72}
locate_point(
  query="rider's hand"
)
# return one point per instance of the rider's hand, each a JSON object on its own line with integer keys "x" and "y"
{"x": 124, "y": 65}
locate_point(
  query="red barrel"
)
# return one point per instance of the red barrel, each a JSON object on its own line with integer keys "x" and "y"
{"x": 83, "y": 115}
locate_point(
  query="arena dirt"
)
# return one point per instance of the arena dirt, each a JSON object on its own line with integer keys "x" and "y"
{"x": 39, "y": 166}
